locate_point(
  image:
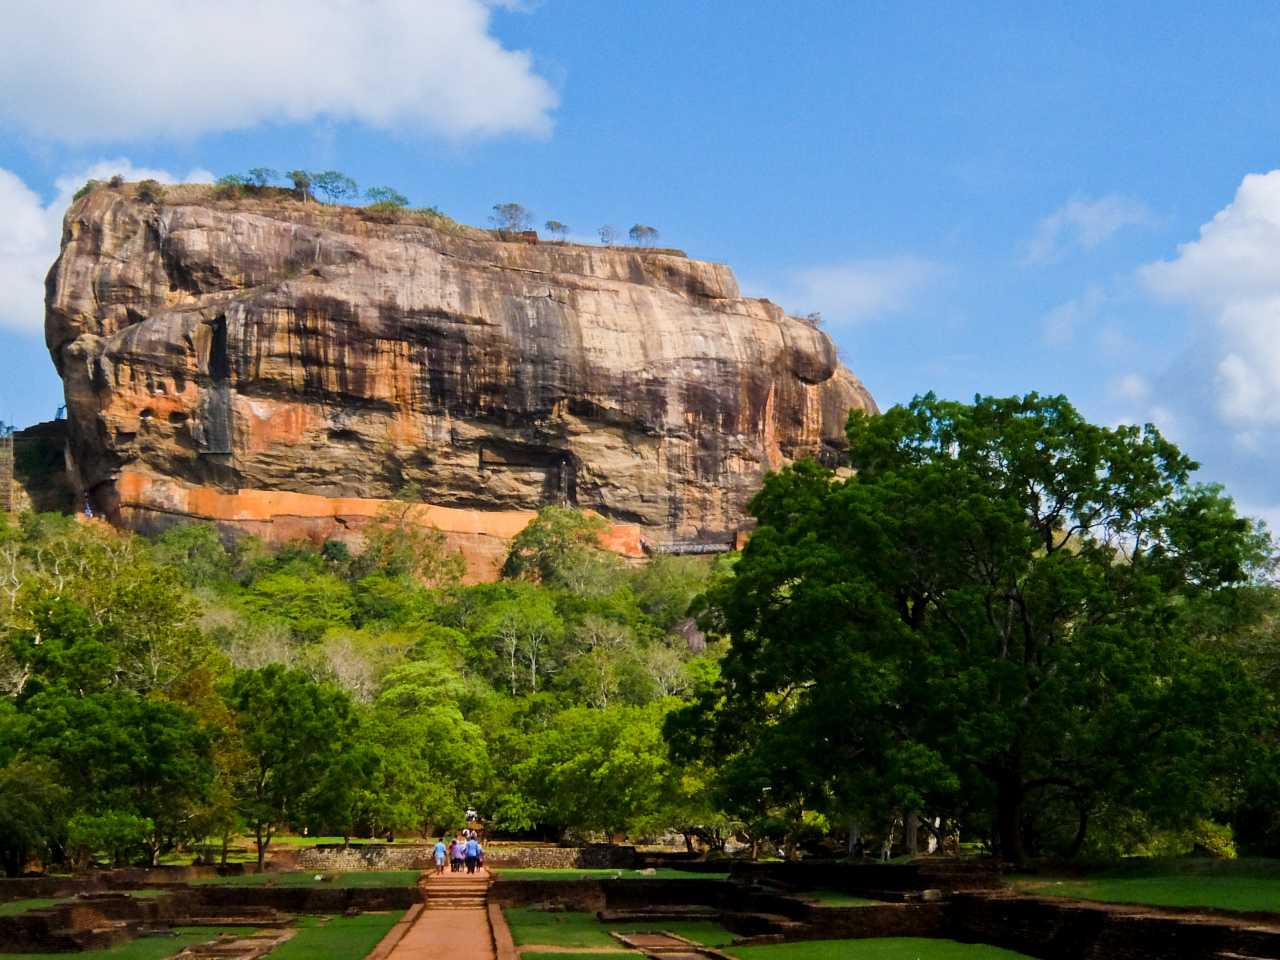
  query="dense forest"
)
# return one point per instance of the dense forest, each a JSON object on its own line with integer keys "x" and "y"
{"x": 1007, "y": 628}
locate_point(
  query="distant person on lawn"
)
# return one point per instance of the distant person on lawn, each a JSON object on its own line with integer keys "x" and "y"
{"x": 440, "y": 853}
{"x": 473, "y": 854}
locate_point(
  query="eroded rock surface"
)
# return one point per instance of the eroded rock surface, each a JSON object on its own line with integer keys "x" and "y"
{"x": 285, "y": 367}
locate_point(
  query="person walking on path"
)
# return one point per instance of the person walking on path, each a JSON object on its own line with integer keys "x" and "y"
{"x": 459, "y": 853}
{"x": 473, "y": 855}
{"x": 440, "y": 853}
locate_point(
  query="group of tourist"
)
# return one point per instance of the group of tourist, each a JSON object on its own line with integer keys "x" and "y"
{"x": 463, "y": 850}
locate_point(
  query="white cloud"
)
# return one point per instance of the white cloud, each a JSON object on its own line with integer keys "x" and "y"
{"x": 1230, "y": 276}
{"x": 30, "y": 231}
{"x": 1060, "y": 324}
{"x": 860, "y": 289}
{"x": 150, "y": 68}
{"x": 1083, "y": 224}
{"x": 1131, "y": 388}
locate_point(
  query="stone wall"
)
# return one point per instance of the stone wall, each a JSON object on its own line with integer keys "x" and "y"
{"x": 376, "y": 856}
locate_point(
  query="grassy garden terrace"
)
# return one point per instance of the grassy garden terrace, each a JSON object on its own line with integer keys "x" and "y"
{"x": 1246, "y": 886}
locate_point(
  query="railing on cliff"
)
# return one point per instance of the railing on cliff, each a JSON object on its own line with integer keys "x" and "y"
{"x": 688, "y": 547}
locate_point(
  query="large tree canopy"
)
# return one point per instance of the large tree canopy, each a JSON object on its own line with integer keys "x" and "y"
{"x": 991, "y": 618}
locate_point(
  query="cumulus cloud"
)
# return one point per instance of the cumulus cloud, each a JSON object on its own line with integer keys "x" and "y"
{"x": 860, "y": 289}
{"x": 148, "y": 68}
{"x": 1082, "y": 224}
{"x": 1230, "y": 276}
{"x": 30, "y": 231}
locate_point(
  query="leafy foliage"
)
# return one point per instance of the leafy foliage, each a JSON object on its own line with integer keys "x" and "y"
{"x": 1007, "y": 623}
{"x": 511, "y": 217}
{"x": 997, "y": 607}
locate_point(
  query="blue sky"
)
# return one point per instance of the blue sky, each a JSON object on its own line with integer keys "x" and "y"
{"x": 983, "y": 198}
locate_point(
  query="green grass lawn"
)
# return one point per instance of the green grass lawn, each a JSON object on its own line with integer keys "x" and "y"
{"x": 888, "y": 948}
{"x": 338, "y": 938}
{"x": 567, "y": 929}
{"x": 579, "y": 873}
{"x": 15, "y": 907}
{"x": 348, "y": 881}
{"x": 580, "y": 929}
{"x": 144, "y": 948}
{"x": 836, "y": 898}
{"x": 706, "y": 932}
{"x": 1242, "y": 885}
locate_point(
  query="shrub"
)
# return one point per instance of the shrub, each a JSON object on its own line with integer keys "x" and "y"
{"x": 386, "y": 198}
{"x": 150, "y": 191}
{"x": 88, "y": 188}
{"x": 119, "y": 835}
{"x": 116, "y": 182}
{"x": 230, "y": 186}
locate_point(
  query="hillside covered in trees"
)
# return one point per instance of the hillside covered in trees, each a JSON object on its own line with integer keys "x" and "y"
{"x": 1009, "y": 628}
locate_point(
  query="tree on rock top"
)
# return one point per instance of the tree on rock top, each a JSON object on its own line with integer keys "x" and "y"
{"x": 511, "y": 217}
{"x": 994, "y": 619}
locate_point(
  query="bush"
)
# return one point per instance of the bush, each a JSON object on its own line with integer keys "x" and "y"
{"x": 230, "y": 186}
{"x": 116, "y": 182}
{"x": 88, "y": 188}
{"x": 116, "y": 834}
{"x": 386, "y": 197}
{"x": 150, "y": 191}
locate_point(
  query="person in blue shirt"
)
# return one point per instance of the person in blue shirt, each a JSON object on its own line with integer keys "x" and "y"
{"x": 473, "y": 854}
{"x": 440, "y": 854}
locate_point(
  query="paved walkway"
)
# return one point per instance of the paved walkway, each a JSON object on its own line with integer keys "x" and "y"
{"x": 454, "y": 925}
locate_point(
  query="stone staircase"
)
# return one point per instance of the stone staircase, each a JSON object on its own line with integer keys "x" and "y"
{"x": 456, "y": 891}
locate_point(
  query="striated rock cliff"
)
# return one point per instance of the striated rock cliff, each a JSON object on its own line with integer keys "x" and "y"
{"x": 286, "y": 367}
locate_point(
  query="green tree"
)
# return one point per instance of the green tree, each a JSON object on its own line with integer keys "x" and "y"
{"x": 150, "y": 191}
{"x": 561, "y": 548}
{"x": 292, "y": 731}
{"x": 643, "y": 236}
{"x": 511, "y": 217}
{"x": 599, "y": 769}
{"x": 302, "y": 184}
{"x": 196, "y": 553}
{"x": 310, "y": 602}
{"x": 262, "y": 177}
{"x": 995, "y": 606}
{"x": 139, "y": 756}
{"x": 556, "y": 228}
{"x": 525, "y": 631}
{"x": 334, "y": 185}
{"x": 32, "y": 814}
{"x": 386, "y": 198}
{"x": 230, "y": 185}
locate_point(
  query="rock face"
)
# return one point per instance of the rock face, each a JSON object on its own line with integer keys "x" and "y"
{"x": 286, "y": 368}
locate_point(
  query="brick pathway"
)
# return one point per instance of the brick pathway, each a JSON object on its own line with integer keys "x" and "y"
{"x": 454, "y": 925}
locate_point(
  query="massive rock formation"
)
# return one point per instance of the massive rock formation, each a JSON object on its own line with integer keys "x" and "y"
{"x": 286, "y": 367}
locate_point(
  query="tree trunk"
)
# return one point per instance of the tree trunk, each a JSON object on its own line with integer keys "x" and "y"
{"x": 1009, "y": 799}
{"x": 911, "y": 833}
{"x": 855, "y": 834}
